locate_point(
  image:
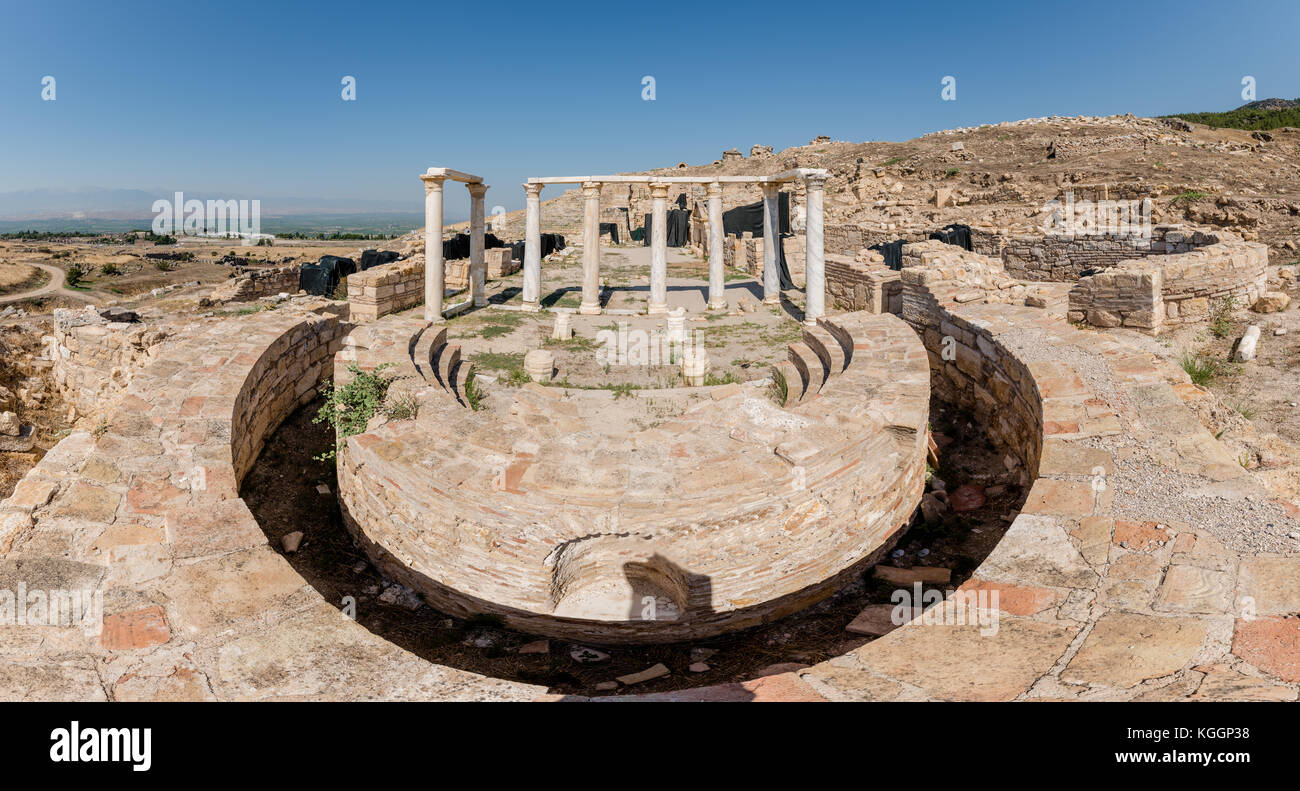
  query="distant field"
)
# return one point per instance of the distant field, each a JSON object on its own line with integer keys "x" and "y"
{"x": 1249, "y": 118}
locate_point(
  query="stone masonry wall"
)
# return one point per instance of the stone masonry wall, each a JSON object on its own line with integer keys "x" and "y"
{"x": 251, "y": 284}
{"x": 1065, "y": 258}
{"x": 970, "y": 367}
{"x": 391, "y": 288}
{"x": 95, "y": 359}
{"x": 286, "y": 376}
{"x": 1157, "y": 292}
{"x": 862, "y": 285}
{"x": 385, "y": 289}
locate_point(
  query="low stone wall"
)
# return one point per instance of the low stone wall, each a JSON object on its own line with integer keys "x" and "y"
{"x": 1158, "y": 292}
{"x": 95, "y": 359}
{"x": 385, "y": 289}
{"x": 250, "y": 284}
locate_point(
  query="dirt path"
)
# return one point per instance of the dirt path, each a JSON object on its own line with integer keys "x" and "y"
{"x": 54, "y": 286}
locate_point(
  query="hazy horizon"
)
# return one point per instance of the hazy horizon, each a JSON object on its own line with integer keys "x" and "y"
{"x": 215, "y": 106}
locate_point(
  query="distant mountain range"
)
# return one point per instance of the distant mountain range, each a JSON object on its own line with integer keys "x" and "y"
{"x": 1258, "y": 115}
{"x": 95, "y": 203}
{"x": 118, "y": 210}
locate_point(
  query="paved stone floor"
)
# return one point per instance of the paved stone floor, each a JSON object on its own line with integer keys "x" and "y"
{"x": 1100, "y": 598}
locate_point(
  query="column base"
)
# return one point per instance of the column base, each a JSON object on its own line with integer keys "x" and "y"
{"x": 811, "y": 322}
{"x": 719, "y": 304}
{"x": 590, "y": 310}
{"x": 656, "y": 310}
{"x": 772, "y": 300}
{"x": 531, "y": 307}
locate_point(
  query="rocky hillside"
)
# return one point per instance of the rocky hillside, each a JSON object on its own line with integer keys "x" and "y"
{"x": 1000, "y": 175}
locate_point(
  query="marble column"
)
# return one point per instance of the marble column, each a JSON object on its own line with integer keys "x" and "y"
{"x": 658, "y": 249}
{"x": 590, "y": 249}
{"x": 477, "y": 266}
{"x": 814, "y": 252}
{"x": 771, "y": 243}
{"x": 717, "y": 277}
{"x": 532, "y": 247}
{"x": 434, "y": 278}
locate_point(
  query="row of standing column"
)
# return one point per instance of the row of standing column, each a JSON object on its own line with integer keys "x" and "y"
{"x": 815, "y": 265}
{"x": 435, "y": 281}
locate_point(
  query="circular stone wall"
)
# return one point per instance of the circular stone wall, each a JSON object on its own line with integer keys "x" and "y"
{"x": 659, "y": 516}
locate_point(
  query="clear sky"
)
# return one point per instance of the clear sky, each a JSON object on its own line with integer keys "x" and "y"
{"x": 245, "y": 97}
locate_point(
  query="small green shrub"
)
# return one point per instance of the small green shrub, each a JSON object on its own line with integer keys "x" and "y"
{"x": 1202, "y": 370}
{"x": 74, "y": 275}
{"x": 1190, "y": 196}
{"x": 1245, "y": 409}
{"x": 402, "y": 407}
{"x": 349, "y": 408}
{"x": 473, "y": 396}
{"x": 779, "y": 389}
{"x": 1221, "y": 323}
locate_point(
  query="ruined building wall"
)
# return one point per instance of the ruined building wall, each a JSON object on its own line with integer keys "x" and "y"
{"x": 95, "y": 359}
{"x": 862, "y": 283}
{"x": 251, "y": 284}
{"x": 1153, "y": 293}
{"x": 1065, "y": 258}
{"x": 387, "y": 288}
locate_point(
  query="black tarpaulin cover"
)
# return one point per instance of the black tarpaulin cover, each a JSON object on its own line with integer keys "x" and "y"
{"x": 610, "y": 228}
{"x": 373, "y": 258}
{"x": 677, "y": 223}
{"x": 892, "y": 252}
{"x": 750, "y": 217}
{"x": 322, "y": 278}
{"x": 954, "y": 234}
{"x": 550, "y": 242}
{"x": 456, "y": 247}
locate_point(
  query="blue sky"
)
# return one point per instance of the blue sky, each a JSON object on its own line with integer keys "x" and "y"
{"x": 244, "y": 98}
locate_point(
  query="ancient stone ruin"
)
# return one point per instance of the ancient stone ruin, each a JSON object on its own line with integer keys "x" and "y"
{"x": 583, "y": 508}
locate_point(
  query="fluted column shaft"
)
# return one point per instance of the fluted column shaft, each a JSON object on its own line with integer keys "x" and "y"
{"x": 771, "y": 243}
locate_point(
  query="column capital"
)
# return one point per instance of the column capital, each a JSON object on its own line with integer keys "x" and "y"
{"x": 770, "y": 187}
{"x": 591, "y": 189}
{"x": 432, "y": 183}
{"x": 713, "y": 189}
{"x": 533, "y": 190}
{"x": 659, "y": 189}
{"x": 815, "y": 182}
{"x": 478, "y": 189}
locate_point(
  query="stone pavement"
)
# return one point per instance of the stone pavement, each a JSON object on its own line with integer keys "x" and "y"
{"x": 1103, "y": 595}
